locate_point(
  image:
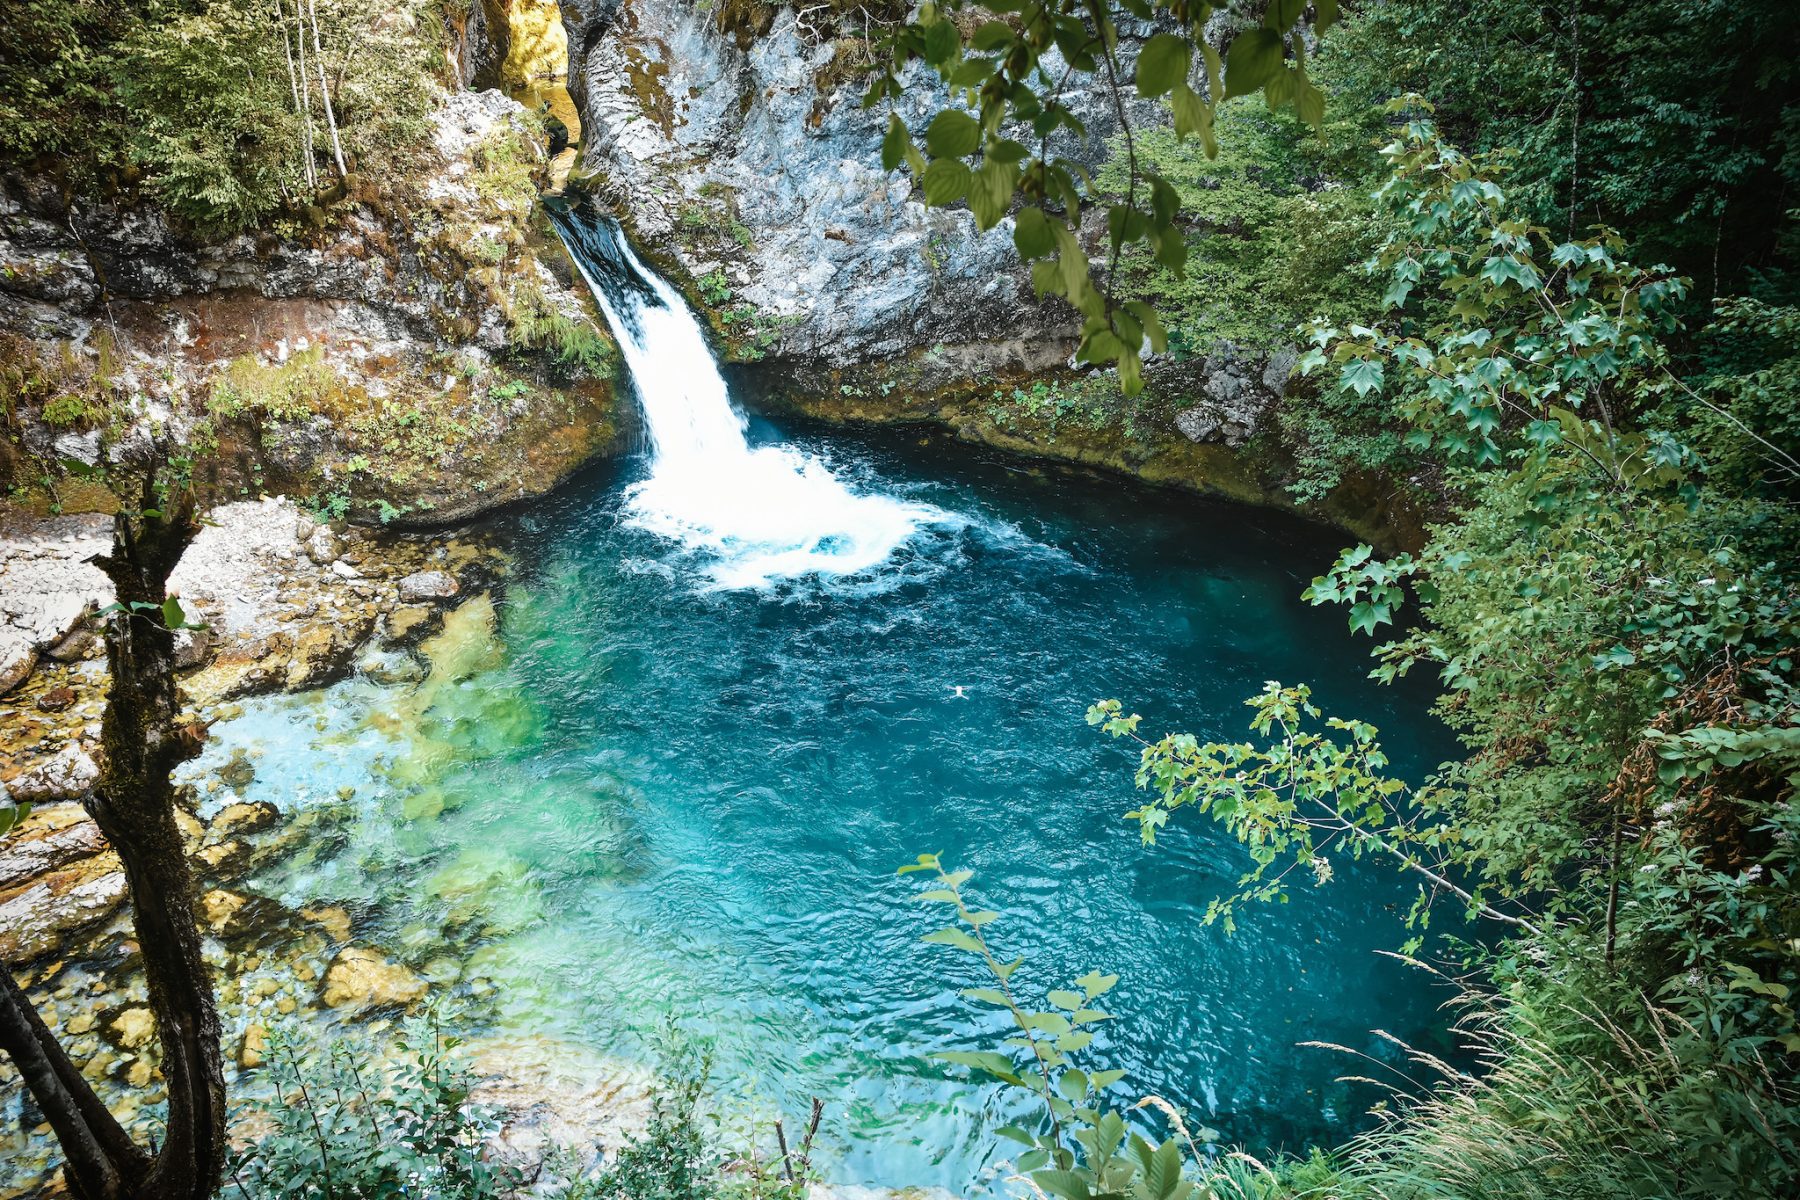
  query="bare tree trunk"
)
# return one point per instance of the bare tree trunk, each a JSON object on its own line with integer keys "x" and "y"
{"x": 337, "y": 147}
{"x": 300, "y": 107}
{"x": 312, "y": 173}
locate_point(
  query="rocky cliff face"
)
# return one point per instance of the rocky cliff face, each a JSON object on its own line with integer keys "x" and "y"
{"x": 416, "y": 352}
{"x": 750, "y": 160}
{"x": 731, "y": 139}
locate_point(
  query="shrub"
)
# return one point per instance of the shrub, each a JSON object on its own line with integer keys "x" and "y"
{"x": 347, "y": 1130}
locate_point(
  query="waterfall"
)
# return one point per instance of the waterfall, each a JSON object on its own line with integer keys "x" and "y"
{"x": 756, "y": 515}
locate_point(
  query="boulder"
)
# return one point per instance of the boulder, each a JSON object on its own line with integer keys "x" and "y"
{"x": 255, "y": 1047}
{"x": 323, "y": 546}
{"x": 49, "y": 838}
{"x": 428, "y": 585}
{"x": 220, "y": 909}
{"x": 17, "y": 657}
{"x": 134, "y": 1028}
{"x": 57, "y": 699}
{"x": 41, "y": 918}
{"x": 242, "y": 819}
{"x": 191, "y": 646}
{"x": 411, "y": 625}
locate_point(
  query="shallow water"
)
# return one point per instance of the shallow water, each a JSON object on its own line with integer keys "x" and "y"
{"x": 649, "y": 798}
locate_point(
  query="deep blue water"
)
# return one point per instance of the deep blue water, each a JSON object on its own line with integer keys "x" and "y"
{"x": 650, "y": 801}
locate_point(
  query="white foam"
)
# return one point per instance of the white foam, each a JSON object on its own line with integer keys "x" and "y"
{"x": 756, "y": 515}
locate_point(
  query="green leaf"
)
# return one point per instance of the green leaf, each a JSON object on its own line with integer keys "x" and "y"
{"x": 991, "y": 1061}
{"x": 1309, "y": 102}
{"x": 953, "y": 937}
{"x": 1095, "y": 984}
{"x": 945, "y": 181}
{"x": 1192, "y": 114}
{"x": 1362, "y": 376}
{"x": 1070, "y": 1185}
{"x": 1281, "y": 14}
{"x": 990, "y": 191}
{"x": 992, "y": 36}
{"x": 1253, "y": 60}
{"x": 1031, "y": 233}
{"x": 1162, "y": 64}
{"x": 952, "y": 134}
{"x": 941, "y": 42}
{"x": 172, "y": 615}
{"x": 894, "y": 144}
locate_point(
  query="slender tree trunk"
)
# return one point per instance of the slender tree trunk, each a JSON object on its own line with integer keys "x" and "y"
{"x": 300, "y": 108}
{"x": 134, "y": 805}
{"x": 312, "y": 171}
{"x": 337, "y": 147}
{"x": 1575, "y": 116}
{"x": 1612, "y": 889}
{"x": 144, "y": 740}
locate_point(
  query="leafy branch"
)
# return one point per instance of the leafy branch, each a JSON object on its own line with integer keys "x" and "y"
{"x": 1008, "y": 76}
{"x": 1290, "y": 800}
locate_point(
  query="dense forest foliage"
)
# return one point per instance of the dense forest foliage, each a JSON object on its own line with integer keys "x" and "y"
{"x": 1570, "y": 306}
{"x": 224, "y": 111}
{"x": 1539, "y": 260}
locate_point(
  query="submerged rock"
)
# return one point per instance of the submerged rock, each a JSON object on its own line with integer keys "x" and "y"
{"x": 360, "y": 978}
{"x": 133, "y": 1028}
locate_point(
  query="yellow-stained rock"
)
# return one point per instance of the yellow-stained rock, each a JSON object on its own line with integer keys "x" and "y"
{"x": 134, "y": 1028}
{"x": 255, "y": 1047}
{"x": 220, "y": 907}
{"x": 334, "y": 920}
{"x": 360, "y": 978}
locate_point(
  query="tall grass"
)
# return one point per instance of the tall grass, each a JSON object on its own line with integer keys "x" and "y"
{"x": 1573, "y": 1102}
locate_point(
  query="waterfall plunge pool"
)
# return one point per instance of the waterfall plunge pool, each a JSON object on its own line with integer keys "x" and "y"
{"x": 642, "y": 797}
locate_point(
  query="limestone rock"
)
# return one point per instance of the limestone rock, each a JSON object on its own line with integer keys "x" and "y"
{"x": 411, "y": 625}
{"x": 360, "y": 978}
{"x": 694, "y": 128}
{"x": 57, "y": 699}
{"x": 82, "y": 642}
{"x": 1237, "y": 387}
{"x": 242, "y": 819}
{"x": 428, "y": 585}
{"x": 220, "y": 909}
{"x": 191, "y": 646}
{"x": 255, "y": 1047}
{"x": 17, "y": 658}
{"x": 49, "y": 838}
{"x": 66, "y": 775}
{"x": 333, "y": 919}
{"x": 41, "y": 917}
